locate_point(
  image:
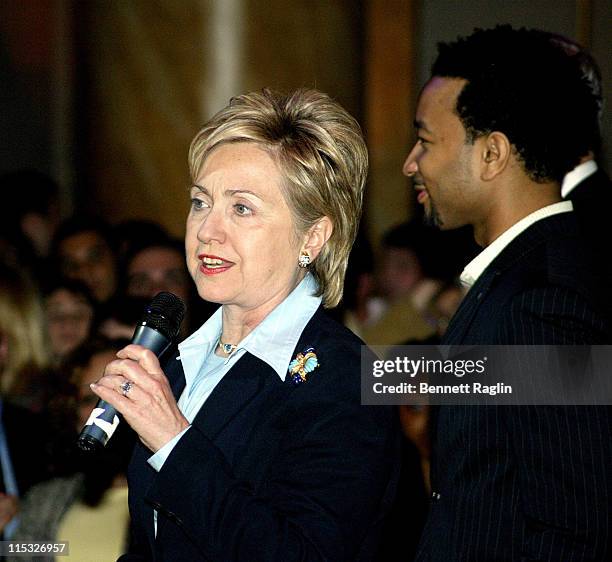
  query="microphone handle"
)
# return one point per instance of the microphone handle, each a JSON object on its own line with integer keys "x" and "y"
{"x": 104, "y": 419}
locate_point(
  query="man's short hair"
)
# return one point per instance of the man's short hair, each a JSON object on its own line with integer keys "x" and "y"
{"x": 521, "y": 84}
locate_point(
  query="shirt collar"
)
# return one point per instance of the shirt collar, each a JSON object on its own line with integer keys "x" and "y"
{"x": 476, "y": 267}
{"x": 194, "y": 349}
{"x": 274, "y": 339}
{"x": 578, "y": 174}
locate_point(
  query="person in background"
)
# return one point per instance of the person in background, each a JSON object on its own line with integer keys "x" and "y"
{"x": 23, "y": 362}
{"x": 83, "y": 249}
{"x": 146, "y": 270}
{"x": 254, "y": 444}
{"x": 359, "y": 303}
{"x": 69, "y": 314}
{"x": 85, "y": 502}
{"x": 24, "y": 346}
{"x": 587, "y": 185}
{"x": 416, "y": 261}
{"x": 157, "y": 266}
{"x": 160, "y": 266}
{"x": 30, "y": 217}
{"x": 132, "y": 234}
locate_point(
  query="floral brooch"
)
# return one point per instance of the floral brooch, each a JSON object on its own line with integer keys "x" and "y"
{"x": 304, "y": 363}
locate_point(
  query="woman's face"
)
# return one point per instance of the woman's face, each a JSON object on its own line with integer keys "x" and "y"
{"x": 242, "y": 248}
{"x": 69, "y": 318}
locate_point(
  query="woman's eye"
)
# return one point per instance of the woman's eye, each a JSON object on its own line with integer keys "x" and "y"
{"x": 198, "y": 204}
{"x": 242, "y": 209}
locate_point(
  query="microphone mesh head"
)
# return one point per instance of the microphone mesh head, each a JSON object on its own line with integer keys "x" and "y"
{"x": 165, "y": 314}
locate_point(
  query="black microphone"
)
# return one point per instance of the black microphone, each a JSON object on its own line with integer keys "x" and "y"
{"x": 156, "y": 331}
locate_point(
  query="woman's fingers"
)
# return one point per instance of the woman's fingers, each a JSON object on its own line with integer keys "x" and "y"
{"x": 137, "y": 387}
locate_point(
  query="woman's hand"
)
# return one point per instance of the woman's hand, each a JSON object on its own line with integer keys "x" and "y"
{"x": 149, "y": 405}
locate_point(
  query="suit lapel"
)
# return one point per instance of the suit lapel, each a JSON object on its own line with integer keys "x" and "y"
{"x": 538, "y": 233}
{"x": 462, "y": 320}
{"x": 176, "y": 376}
{"x": 237, "y": 388}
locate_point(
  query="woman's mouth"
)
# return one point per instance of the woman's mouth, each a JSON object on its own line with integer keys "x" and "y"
{"x": 212, "y": 265}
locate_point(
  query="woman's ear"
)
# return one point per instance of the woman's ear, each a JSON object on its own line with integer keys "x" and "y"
{"x": 317, "y": 236}
{"x": 495, "y": 154}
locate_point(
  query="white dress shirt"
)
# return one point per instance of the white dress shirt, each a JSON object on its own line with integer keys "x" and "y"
{"x": 578, "y": 174}
{"x": 476, "y": 267}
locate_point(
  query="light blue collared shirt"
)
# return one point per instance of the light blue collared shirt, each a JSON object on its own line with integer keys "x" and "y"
{"x": 272, "y": 341}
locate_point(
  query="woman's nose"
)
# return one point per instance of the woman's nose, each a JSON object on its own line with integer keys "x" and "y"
{"x": 212, "y": 227}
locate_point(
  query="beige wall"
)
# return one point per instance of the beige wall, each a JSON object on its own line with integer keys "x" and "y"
{"x": 144, "y": 62}
{"x": 390, "y": 100}
{"x": 159, "y": 69}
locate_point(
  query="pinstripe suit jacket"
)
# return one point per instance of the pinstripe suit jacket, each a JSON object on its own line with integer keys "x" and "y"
{"x": 518, "y": 483}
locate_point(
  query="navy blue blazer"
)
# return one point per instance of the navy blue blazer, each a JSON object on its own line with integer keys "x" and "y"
{"x": 271, "y": 471}
{"x": 525, "y": 483}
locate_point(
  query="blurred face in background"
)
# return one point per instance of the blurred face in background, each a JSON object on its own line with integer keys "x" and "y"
{"x": 69, "y": 319}
{"x": 87, "y": 257}
{"x": 399, "y": 273}
{"x": 158, "y": 269}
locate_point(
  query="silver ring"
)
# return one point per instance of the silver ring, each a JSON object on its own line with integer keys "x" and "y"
{"x": 126, "y": 387}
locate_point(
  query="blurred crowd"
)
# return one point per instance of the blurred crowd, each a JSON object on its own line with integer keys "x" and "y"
{"x": 72, "y": 291}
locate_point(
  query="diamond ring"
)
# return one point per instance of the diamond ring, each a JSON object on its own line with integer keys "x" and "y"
{"x": 126, "y": 387}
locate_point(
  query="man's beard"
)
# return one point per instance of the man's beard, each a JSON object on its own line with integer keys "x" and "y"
{"x": 431, "y": 215}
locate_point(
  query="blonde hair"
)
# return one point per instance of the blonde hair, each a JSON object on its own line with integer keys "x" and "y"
{"x": 319, "y": 148}
{"x": 22, "y": 327}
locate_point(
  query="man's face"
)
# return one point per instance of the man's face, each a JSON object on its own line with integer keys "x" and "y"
{"x": 158, "y": 269}
{"x": 444, "y": 168}
{"x": 87, "y": 257}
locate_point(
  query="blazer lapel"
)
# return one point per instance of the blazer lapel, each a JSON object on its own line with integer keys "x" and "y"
{"x": 461, "y": 321}
{"x": 176, "y": 376}
{"x": 518, "y": 249}
{"x": 237, "y": 388}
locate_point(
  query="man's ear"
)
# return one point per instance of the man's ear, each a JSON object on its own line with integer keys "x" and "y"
{"x": 495, "y": 155}
{"x": 317, "y": 236}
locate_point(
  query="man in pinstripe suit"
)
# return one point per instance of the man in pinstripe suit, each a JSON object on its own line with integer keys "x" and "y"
{"x": 500, "y": 122}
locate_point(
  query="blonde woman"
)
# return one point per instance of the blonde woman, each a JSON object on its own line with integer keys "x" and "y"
{"x": 256, "y": 446}
{"x": 23, "y": 360}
